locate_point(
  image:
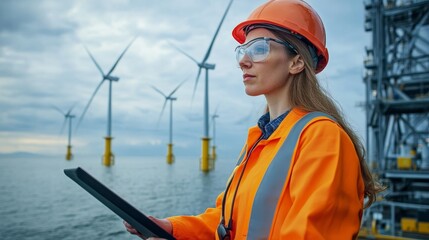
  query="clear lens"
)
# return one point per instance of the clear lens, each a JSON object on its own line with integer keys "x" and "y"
{"x": 257, "y": 49}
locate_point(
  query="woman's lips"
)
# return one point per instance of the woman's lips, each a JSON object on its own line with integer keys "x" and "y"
{"x": 247, "y": 77}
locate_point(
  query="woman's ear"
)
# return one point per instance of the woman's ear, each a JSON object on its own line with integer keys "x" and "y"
{"x": 296, "y": 65}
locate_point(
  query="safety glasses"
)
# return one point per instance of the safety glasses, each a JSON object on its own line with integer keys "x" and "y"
{"x": 258, "y": 49}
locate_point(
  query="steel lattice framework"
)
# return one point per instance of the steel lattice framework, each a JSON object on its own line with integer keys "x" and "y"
{"x": 397, "y": 108}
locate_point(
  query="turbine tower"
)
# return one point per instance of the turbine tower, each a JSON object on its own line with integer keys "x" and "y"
{"x": 67, "y": 117}
{"x": 214, "y": 116}
{"x": 205, "y": 166}
{"x": 108, "y": 157}
{"x": 169, "y": 97}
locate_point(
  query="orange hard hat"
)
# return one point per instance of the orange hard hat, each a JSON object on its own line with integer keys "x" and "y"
{"x": 297, "y": 17}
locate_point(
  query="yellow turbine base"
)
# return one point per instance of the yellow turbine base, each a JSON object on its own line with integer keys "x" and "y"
{"x": 205, "y": 159}
{"x": 69, "y": 155}
{"x": 213, "y": 156}
{"x": 108, "y": 157}
{"x": 170, "y": 155}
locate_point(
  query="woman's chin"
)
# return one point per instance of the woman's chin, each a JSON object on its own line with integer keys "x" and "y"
{"x": 252, "y": 92}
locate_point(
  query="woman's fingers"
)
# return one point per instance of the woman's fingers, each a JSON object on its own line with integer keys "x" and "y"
{"x": 163, "y": 223}
{"x": 131, "y": 229}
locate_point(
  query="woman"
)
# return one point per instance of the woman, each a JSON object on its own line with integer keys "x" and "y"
{"x": 312, "y": 187}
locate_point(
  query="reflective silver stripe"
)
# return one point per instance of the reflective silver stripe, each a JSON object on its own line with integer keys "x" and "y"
{"x": 240, "y": 159}
{"x": 270, "y": 188}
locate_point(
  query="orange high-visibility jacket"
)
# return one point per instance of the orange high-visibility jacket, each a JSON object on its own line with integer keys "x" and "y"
{"x": 321, "y": 197}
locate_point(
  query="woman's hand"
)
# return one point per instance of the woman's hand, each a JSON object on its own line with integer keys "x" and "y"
{"x": 163, "y": 223}
{"x": 132, "y": 230}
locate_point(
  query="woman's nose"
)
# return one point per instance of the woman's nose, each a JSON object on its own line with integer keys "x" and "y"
{"x": 245, "y": 62}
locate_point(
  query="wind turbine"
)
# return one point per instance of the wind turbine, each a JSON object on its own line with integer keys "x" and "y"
{"x": 108, "y": 157}
{"x": 214, "y": 116}
{"x": 169, "y": 97}
{"x": 67, "y": 117}
{"x": 205, "y": 166}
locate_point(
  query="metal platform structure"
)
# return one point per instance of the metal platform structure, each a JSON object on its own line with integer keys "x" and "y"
{"x": 397, "y": 114}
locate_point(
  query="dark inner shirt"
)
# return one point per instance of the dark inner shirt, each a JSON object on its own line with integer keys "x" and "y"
{"x": 268, "y": 127}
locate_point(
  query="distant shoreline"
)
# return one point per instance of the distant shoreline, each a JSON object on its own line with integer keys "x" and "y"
{"x": 20, "y": 154}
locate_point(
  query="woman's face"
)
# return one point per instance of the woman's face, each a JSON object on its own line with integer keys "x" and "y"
{"x": 268, "y": 77}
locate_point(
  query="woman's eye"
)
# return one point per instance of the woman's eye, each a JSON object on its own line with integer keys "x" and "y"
{"x": 259, "y": 49}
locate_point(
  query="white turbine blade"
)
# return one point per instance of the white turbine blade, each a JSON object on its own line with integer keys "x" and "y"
{"x": 71, "y": 109}
{"x": 58, "y": 109}
{"x": 217, "y": 31}
{"x": 95, "y": 62}
{"x": 162, "y": 111}
{"x": 119, "y": 58}
{"x": 88, "y": 104}
{"x": 178, "y": 86}
{"x": 196, "y": 83}
{"x": 180, "y": 50}
{"x": 64, "y": 124}
{"x": 156, "y": 89}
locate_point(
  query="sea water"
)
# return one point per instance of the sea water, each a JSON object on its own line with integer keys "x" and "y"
{"x": 38, "y": 201}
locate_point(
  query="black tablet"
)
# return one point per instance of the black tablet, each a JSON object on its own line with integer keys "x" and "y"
{"x": 118, "y": 205}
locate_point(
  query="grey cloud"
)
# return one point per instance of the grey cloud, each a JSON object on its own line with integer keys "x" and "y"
{"x": 43, "y": 62}
{"x": 31, "y": 19}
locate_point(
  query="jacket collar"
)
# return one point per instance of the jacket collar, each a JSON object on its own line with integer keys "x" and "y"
{"x": 282, "y": 130}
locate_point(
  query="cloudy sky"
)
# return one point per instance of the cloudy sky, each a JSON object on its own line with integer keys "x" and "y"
{"x": 43, "y": 63}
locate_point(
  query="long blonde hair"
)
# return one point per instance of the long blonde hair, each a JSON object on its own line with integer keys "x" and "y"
{"x": 306, "y": 93}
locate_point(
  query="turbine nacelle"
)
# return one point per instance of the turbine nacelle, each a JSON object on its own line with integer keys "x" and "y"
{"x": 207, "y": 66}
{"x": 111, "y": 78}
